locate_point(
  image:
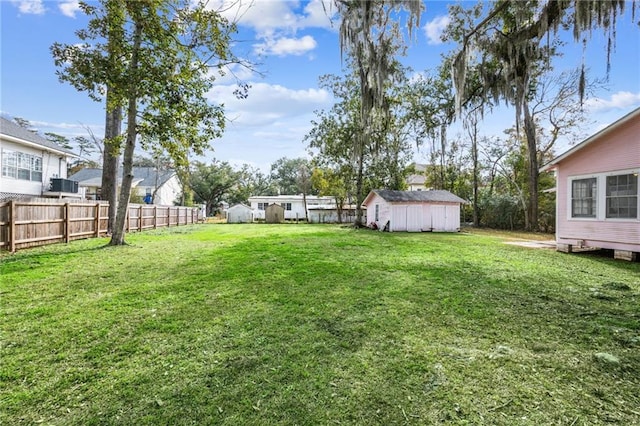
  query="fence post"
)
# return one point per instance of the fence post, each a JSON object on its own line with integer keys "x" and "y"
{"x": 127, "y": 218}
{"x": 140, "y": 218}
{"x": 67, "y": 223}
{"x": 155, "y": 216}
{"x": 168, "y": 217}
{"x": 12, "y": 226}
{"x": 97, "y": 220}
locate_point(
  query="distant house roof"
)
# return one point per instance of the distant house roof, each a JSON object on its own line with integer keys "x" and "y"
{"x": 415, "y": 196}
{"x": 143, "y": 176}
{"x": 416, "y": 179}
{"x": 635, "y": 114}
{"x": 12, "y": 130}
{"x": 419, "y": 167}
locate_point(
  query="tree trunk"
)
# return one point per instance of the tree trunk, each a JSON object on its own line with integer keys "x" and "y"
{"x": 111, "y": 154}
{"x": 532, "y": 148}
{"x": 117, "y": 238}
{"x": 359, "y": 177}
{"x": 474, "y": 155}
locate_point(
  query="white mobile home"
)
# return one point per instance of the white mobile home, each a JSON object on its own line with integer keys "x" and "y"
{"x": 413, "y": 211}
{"x": 294, "y": 208}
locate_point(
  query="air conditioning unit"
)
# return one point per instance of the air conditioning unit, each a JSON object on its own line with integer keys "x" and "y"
{"x": 63, "y": 185}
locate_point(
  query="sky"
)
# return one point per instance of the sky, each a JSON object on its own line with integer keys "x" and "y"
{"x": 293, "y": 43}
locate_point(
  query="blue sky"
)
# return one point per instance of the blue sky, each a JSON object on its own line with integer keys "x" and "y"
{"x": 296, "y": 43}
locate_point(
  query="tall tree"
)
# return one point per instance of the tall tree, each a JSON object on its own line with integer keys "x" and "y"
{"x": 372, "y": 38}
{"x": 212, "y": 182}
{"x": 521, "y": 36}
{"x": 250, "y": 181}
{"x": 165, "y": 51}
{"x": 59, "y": 140}
{"x": 287, "y": 175}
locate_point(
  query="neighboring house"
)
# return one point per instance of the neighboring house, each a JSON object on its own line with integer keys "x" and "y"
{"x": 417, "y": 180}
{"x": 145, "y": 182}
{"x": 29, "y": 162}
{"x": 413, "y": 211}
{"x": 239, "y": 213}
{"x": 294, "y": 208}
{"x": 274, "y": 213}
{"x": 597, "y": 190}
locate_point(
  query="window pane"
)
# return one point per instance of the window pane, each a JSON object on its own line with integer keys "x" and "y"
{"x": 583, "y": 197}
{"x": 37, "y": 164}
{"x": 622, "y": 196}
{"x": 24, "y": 174}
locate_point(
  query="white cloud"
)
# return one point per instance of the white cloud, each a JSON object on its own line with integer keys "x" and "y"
{"x": 267, "y": 103}
{"x": 276, "y": 23}
{"x": 287, "y": 46}
{"x": 434, "y": 28}
{"x": 262, "y": 15}
{"x": 619, "y": 100}
{"x": 30, "y": 7}
{"x": 319, "y": 14}
{"x": 69, "y": 8}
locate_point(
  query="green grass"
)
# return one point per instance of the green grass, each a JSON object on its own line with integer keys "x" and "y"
{"x": 315, "y": 325}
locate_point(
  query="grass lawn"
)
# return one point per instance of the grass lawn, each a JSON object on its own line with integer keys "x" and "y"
{"x": 317, "y": 325}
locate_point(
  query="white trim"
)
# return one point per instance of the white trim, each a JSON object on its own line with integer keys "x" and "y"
{"x": 37, "y": 146}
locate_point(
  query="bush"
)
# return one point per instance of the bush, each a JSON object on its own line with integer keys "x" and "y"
{"x": 501, "y": 212}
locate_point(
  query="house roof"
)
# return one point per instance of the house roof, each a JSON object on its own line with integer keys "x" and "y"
{"x": 416, "y": 179}
{"x": 143, "y": 176}
{"x": 414, "y": 196}
{"x": 633, "y": 115}
{"x": 13, "y": 131}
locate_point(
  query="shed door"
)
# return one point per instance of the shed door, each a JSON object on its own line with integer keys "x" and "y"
{"x": 399, "y": 218}
{"x": 414, "y": 220}
{"x": 438, "y": 217}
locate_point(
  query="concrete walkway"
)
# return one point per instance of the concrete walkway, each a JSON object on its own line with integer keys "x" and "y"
{"x": 548, "y": 244}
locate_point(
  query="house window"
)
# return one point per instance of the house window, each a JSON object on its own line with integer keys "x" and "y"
{"x": 20, "y": 165}
{"x": 287, "y": 206}
{"x": 262, "y": 206}
{"x": 377, "y": 212}
{"x": 622, "y": 196}
{"x": 583, "y": 197}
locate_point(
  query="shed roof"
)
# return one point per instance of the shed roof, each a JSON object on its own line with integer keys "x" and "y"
{"x": 11, "y": 129}
{"x": 391, "y": 196}
{"x": 635, "y": 114}
{"x": 239, "y": 206}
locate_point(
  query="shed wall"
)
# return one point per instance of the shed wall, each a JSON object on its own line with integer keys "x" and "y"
{"x": 239, "y": 214}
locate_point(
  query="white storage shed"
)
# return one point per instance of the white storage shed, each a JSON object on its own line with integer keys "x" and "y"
{"x": 239, "y": 213}
{"x": 413, "y": 211}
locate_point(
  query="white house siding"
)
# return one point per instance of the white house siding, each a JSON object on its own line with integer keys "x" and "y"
{"x": 53, "y": 166}
{"x": 169, "y": 192}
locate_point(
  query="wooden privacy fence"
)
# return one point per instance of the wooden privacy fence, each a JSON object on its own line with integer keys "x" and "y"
{"x": 26, "y": 224}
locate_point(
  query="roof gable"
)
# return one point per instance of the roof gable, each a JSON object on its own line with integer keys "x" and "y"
{"x": 11, "y": 129}
{"x": 633, "y": 115}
